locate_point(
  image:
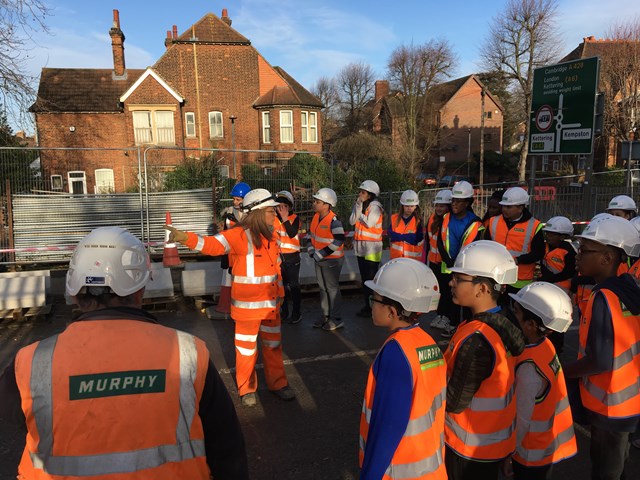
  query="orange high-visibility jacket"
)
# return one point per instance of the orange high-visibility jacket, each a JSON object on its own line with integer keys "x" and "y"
{"x": 368, "y": 234}
{"x": 256, "y": 281}
{"x": 613, "y": 394}
{"x": 550, "y": 438}
{"x": 518, "y": 242}
{"x": 288, "y": 244}
{"x": 434, "y": 253}
{"x": 321, "y": 235}
{"x": 485, "y": 430}
{"x": 468, "y": 236}
{"x": 113, "y": 399}
{"x": 404, "y": 249}
{"x": 554, "y": 260}
{"x": 420, "y": 453}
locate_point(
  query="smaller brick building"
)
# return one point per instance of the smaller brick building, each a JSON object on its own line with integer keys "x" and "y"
{"x": 455, "y": 108}
{"x": 210, "y": 89}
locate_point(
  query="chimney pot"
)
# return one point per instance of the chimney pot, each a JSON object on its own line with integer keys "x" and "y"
{"x": 225, "y": 17}
{"x": 117, "y": 46}
{"x": 116, "y": 19}
{"x": 381, "y": 89}
{"x": 175, "y": 31}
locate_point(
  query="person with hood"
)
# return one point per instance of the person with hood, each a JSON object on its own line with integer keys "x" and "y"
{"x": 459, "y": 228}
{"x": 366, "y": 216}
{"x": 481, "y": 408}
{"x": 520, "y": 232}
{"x": 608, "y": 364}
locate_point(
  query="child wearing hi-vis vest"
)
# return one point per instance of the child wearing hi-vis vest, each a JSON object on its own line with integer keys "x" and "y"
{"x": 544, "y": 425}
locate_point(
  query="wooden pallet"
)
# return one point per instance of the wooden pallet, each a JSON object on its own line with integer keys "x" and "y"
{"x": 24, "y": 313}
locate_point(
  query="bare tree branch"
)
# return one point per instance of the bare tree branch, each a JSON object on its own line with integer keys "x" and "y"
{"x": 355, "y": 83}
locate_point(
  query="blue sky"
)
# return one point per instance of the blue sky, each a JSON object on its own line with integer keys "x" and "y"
{"x": 308, "y": 39}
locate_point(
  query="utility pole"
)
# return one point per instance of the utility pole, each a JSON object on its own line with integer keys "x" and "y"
{"x": 481, "y": 173}
{"x": 469, "y": 153}
{"x": 233, "y": 145}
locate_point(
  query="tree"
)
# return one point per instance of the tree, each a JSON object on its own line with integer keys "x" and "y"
{"x": 193, "y": 173}
{"x": 327, "y": 92}
{"x": 521, "y": 38}
{"x": 16, "y": 162}
{"x": 413, "y": 71}
{"x": 355, "y": 84}
{"x": 499, "y": 85}
{"x": 620, "y": 80}
{"x": 19, "y": 20}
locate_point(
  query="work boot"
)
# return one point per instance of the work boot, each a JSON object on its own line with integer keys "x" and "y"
{"x": 333, "y": 325}
{"x": 295, "y": 318}
{"x": 285, "y": 393}
{"x": 320, "y": 322}
{"x": 249, "y": 400}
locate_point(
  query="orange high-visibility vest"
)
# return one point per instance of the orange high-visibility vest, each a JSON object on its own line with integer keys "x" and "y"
{"x": 550, "y": 438}
{"x": 614, "y": 394}
{"x": 485, "y": 430}
{"x": 113, "y": 399}
{"x": 256, "y": 281}
{"x": 288, "y": 244}
{"x": 468, "y": 236}
{"x": 554, "y": 260}
{"x": 321, "y": 235}
{"x": 404, "y": 249}
{"x": 518, "y": 241}
{"x": 420, "y": 453}
{"x": 369, "y": 234}
{"x": 434, "y": 253}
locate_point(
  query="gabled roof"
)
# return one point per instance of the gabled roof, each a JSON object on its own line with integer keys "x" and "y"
{"x": 293, "y": 94}
{"x": 81, "y": 90}
{"x": 593, "y": 47}
{"x": 211, "y": 29}
{"x": 150, "y": 73}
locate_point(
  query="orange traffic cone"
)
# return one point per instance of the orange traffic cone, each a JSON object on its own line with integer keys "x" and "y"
{"x": 223, "y": 308}
{"x": 170, "y": 257}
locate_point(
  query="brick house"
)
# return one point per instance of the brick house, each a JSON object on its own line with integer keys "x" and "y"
{"x": 456, "y": 109}
{"x": 210, "y": 89}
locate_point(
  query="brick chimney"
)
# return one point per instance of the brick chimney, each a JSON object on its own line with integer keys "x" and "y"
{"x": 117, "y": 45}
{"x": 381, "y": 89}
{"x": 225, "y": 17}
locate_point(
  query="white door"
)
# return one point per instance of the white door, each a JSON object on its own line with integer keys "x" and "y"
{"x": 77, "y": 183}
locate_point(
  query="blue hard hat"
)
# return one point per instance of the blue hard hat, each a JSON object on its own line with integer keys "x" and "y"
{"x": 240, "y": 190}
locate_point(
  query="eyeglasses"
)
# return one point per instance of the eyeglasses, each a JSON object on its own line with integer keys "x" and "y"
{"x": 373, "y": 300}
{"x": 456, "y": 279}
{"x": 586, "y": 251}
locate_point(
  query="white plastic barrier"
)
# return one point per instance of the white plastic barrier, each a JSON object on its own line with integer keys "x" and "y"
{"x": 24, "y": 289}
{"x": 201, "y": 278}
{"x": 160, "y": 285}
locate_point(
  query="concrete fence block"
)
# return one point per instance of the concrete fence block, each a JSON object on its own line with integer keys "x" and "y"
{"x": 201, "y": 281}
{"x": 22, "y": 291}
{"x": 160, "y": 285}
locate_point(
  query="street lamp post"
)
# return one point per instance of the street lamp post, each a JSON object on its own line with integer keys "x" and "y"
{"x": 233, "y": 145}
{"x": 468, "y": 152}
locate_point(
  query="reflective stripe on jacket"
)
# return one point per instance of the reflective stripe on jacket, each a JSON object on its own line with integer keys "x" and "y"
{"x": 434, "y": 254}
{"x": 420, "y": 453}
{"x": 518, "y": 242}
{"x": 468, "y": 236}
{"x": 554, "y": 260}
{"x": 550, "y": 438}
{"x": 366, "y": 233}
{"x": 113, "y": 397}
{"x": 615, "y": 393}
{"x": 322, "y": 236}
{"x": 288, "y": 244}
{"x": 485, "y": 430}
{"x": 256, "y": 282}
{"x": 404, "y": 249}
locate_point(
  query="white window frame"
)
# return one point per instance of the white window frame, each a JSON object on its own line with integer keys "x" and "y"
{"x": 216, "y": 130}
{"x": 56, "y": 183}
{"x": 223, "y": 171}
{"x": 286, "y": 128}
{"x": 154, "y": 126}
{"x": 190, "y": 124}
{"x": 309, "y": 121}
{"x": 77, "y": 176}
{"x": 101, "y": 186}
{"x": 266, "y": 127}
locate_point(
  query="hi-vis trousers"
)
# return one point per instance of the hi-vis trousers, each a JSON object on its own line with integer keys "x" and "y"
{"x": 246, "y": 342}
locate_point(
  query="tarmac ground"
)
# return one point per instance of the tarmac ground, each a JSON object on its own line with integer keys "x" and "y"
{"x": 314, "y": 437}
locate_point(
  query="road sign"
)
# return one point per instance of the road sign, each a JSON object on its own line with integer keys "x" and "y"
{"x": 563, "y": 107}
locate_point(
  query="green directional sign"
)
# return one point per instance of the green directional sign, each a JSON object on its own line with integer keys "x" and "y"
{"x": 563, "y": 107}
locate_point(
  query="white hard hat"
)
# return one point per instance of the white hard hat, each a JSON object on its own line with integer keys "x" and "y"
{"x": 486, "y": 258}
{"x": 286, "y": 195}
{"x": 109, "y": 257}
{"x": 443, "y": 196}
{"x": 409, "y": 198}
{"x": 327, "y": 196}
{"x": 635, "y": 221}
{"x": 614, "y": 231}
{"x": 258, "y": 199}
{"x": 622, "y": 202}
{"x": 370, "y": 186}
{"x": 409, "y": 282}
{"x": 462, "y": 189}
{"x": 547, "y": 301}
{"x": 515, "y": 196}
{"x": 559, "y": 225}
